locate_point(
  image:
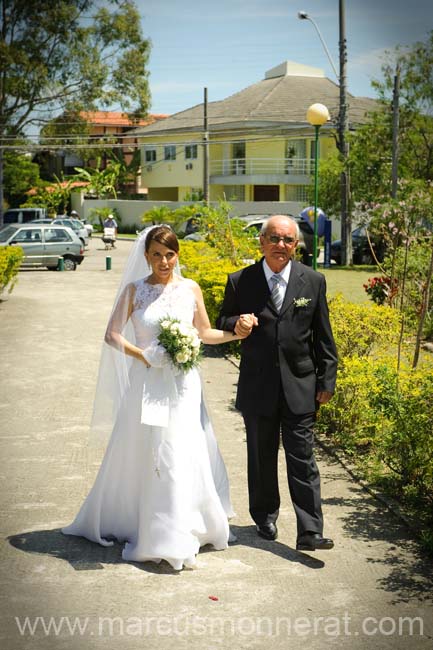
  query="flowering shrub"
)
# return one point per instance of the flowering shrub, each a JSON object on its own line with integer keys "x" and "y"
{"x": 382, "y": 415}
{"x": 381, "y": 289}
{"x": 10, "y": 261}
{"x": 201, "y": 263}
{"x": 181, "y": 343}
{"x": 359, "y": 329}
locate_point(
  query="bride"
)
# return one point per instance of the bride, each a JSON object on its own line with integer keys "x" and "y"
{"x": 162, "y": 488}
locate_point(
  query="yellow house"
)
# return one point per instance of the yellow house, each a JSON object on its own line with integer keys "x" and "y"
{"x": 261, "y": 147}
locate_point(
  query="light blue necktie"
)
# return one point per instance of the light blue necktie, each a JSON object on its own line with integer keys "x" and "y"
{"x": 277, "y": 294}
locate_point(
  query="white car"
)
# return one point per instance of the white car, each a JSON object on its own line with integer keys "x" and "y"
{"x": 305, "y": 244}
{"x": 76, "y": 226}
{"x": 88, "y": 226}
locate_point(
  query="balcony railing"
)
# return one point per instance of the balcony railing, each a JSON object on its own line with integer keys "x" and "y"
{"x": 261, "y": 166}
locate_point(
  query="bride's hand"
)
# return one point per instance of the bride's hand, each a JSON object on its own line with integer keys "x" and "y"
{"x": 245, "y": 324}
{"x": 145, "y": 361}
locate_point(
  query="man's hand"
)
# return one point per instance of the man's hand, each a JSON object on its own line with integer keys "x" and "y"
{"x": 323, "y": 396}
{"x": 245, "y": 324}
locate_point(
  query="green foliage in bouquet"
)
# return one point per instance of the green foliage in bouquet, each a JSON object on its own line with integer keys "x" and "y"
{"x": 181, "y": 343}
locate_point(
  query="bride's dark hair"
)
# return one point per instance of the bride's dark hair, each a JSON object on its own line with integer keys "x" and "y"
{"x": 163, "y": 235}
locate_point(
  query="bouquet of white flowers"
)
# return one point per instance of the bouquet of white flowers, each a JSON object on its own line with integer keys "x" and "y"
{"x": 181, "y": 343}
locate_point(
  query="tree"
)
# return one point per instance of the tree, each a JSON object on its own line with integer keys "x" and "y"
{"x": 101, "y": 182}
{"x": 370, "y": 146}
{"x": 20, "y": 173}
{"x": 416, "y": 104}
{"x": 68, "y": 130}
{"x": 67, "y": 56}
{"x": 55, "y": 196}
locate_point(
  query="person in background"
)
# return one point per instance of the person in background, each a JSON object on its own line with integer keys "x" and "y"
{"x": 110, "y": 222}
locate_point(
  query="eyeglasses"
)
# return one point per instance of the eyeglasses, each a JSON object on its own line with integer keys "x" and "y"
{"x": 275, "y": 239}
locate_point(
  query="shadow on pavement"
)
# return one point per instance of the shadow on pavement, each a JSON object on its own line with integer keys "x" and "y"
{"x": 365, "y": 521}
{"x": 84, "y": 555}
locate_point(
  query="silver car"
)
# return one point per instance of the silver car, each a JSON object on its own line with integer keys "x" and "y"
{"x": 44, "y": 244}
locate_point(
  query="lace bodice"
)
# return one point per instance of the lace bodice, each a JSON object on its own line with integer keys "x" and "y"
{"x": 155, "y": 301}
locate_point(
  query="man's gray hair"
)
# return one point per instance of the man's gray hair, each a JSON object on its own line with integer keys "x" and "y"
{"x": 265, "y": 224}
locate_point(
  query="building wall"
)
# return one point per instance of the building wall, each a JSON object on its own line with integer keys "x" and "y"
{"x": 169, "y": 173}
{"x": 132, "y": 212}
{"x": 187, "y": 175}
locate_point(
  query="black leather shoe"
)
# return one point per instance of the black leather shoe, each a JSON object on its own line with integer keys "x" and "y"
{"x": 313, "y": 542}
{"x": 267, "y": 531}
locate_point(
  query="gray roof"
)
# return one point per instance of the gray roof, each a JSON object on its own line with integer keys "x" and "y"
{"x": 279, "y": 101}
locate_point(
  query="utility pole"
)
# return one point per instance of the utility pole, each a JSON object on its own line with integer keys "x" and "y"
{"x": 395, "y": 129}
{"x": 346, "y": 217}
{"x": 1, "y": 182}
{"x": 205, "y": 151}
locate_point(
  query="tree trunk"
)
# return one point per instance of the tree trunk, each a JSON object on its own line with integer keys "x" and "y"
{"x": 424, "y": 308}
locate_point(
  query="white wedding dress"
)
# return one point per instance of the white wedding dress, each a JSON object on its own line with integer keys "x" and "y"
{"x": 163, "y": 490}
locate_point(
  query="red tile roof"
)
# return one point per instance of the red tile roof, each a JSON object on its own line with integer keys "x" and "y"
{"x": 112, "y": 118}
{"x": 63, "y": 184}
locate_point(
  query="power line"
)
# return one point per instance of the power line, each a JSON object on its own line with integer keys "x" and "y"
{"x": 57, "y": 144}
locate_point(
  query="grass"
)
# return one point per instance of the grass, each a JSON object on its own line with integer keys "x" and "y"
{"x": 348, "y": 281}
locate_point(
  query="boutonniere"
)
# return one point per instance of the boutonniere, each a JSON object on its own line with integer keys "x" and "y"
{"x": 301, "y": 302}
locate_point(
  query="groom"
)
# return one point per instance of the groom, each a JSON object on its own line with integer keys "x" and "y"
{"x": 288, "y": 368}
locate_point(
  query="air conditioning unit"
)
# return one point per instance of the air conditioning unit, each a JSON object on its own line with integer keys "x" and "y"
{"x": 188, "y": 166}
{"x": 149, "y": 168}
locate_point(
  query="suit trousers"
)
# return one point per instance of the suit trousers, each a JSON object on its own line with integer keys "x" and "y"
{"x": 263, "y": 441}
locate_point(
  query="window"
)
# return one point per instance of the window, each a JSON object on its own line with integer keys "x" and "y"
{"x": 56, "y": 235}
{"x": 28, "y": 236}
{"x": 234, "y": 192}
{"x": 296, "y": 148}
{"x": 299, "y": 193}
{"x": 190, "y": 151}
{"x": 170, "y": 152}
{"x": 238, "y": 158}
{"x": 150, "y": 154}
{"x": 296, "y": 153}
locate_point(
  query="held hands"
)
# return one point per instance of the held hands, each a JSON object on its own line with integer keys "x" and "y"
{"x": 245, "y": 324}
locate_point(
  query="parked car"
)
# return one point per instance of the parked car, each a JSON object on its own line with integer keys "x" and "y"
{"x": 88, "y": 226}
{"x": 44, "y": 244}
{"x": 305, "y": 245}
{"x": 23, "y": 215}
{"x": 76, "y": 226}
{"x": 360, "y": 248}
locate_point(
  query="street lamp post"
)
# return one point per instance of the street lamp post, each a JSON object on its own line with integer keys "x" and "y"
{"x": 302, "y": 15}
{"x": 346, "y": 221}
{"x": 317, "y": 115}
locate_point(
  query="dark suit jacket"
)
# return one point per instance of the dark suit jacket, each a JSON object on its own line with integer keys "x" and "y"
{"x": 295, "y": 347}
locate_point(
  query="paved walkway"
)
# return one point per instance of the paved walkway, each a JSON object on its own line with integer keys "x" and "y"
{"x": 374, "y": 590}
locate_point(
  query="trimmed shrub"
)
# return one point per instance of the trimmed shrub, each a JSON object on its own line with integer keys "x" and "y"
{"x": 10, "y": 261}
{"x": 358, "y": 329}
{"x": 201, "y": 263}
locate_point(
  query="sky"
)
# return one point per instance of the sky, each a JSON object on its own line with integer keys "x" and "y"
{"x": 227, "y": 45}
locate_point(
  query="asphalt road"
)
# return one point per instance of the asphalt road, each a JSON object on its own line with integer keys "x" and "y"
{"x": 374, "y": 590}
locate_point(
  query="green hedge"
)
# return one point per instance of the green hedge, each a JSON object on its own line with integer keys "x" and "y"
{"x": 381, "y": 417}
{"x": 201, "y": 263}
{"x": 10, "y": 261}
